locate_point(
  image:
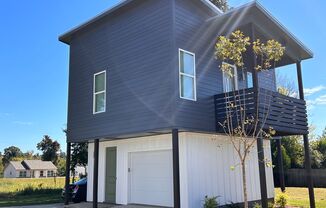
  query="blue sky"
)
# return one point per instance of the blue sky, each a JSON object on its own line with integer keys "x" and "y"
{"x": 34, "y": 64}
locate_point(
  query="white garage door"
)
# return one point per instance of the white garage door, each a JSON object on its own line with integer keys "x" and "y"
{"x": 150, "y": 178}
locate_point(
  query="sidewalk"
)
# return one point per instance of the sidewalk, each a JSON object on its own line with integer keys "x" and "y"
{"x": 40, "y": 206}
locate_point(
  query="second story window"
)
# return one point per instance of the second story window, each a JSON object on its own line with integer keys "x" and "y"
{"x": 230, "y": 83}
{"x": 99, "y": 97}
{"x": 187, "y": 75}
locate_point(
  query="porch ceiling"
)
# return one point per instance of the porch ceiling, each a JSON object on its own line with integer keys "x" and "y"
{"x": 265, "y": 27}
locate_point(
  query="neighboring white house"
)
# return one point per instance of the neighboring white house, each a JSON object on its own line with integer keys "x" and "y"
{"x": 79, "y": 170}
{"x": 30, "y": 169}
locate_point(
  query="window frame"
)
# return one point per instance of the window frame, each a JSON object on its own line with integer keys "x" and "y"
{"x": 187, "y": 75}
{"x": 22, "y": 174}
{"x": 50, "y": 173}
{"x": 235, "y": 78}
{"x": 96, "y": 93}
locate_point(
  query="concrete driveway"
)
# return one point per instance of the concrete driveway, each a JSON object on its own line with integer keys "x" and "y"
{"x": 90, "y": 205}
{"x": 40, "y": 206}
{"x": 82, "y": 205}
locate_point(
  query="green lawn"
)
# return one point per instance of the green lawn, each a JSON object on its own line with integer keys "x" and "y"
{"x": 299, "y": 197}
{"x": 15, "y": 192}
{"x": 30, "y": 191}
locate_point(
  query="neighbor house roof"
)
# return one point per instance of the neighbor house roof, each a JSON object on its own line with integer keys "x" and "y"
{"x": 39, "y": 165}
{"x": 17, "y": 165}
{"x": 66, "y": 36}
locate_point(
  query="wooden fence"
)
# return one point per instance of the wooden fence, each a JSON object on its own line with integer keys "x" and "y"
{"x": 297, "y": 178}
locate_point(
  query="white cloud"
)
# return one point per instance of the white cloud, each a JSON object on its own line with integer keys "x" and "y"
{"x": 321, "y": 100}
{"x": 23, "y": 123}
{"x": 310, "y": 91}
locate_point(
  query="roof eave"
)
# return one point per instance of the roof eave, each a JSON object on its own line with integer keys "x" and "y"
{"x": 282, "y": 27}
{"x": 66, "y": 37}
{"x": 257, "y": 5}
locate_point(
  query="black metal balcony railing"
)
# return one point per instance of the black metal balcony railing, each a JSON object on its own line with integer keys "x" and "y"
{"x": 286, "y": 115}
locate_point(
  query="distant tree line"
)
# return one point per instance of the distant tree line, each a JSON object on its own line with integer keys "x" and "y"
{"x": 50, "y": 151}
{"x": 293, "y": 151}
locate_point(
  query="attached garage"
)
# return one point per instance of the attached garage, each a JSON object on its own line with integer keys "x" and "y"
{"x": 151, "y": 178}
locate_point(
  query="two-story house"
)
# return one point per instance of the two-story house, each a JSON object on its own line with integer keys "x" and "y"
{"x": 145, "y": 92}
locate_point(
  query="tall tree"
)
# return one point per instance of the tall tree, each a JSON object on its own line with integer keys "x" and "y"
{"x": 79, "y": 156}
{"x": 1, "y": 166}
{"x": 319, "y": 151}
{"x": 221, "y": 4}
{"x": 10, "y": 153}
{"x": 49, "y": 148}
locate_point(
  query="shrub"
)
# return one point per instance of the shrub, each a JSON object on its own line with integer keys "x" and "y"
{"x": 233, "y": 205}
{"x": 281, "y": 200}
{"x": 210, "y": 202}
{"x": 257, "y": 205}
{"x": 271, "y": 205}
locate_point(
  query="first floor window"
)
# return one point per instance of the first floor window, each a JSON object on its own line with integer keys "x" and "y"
{"x": 99, "y": 92}
{"x": 41, "y": 173}
{"x": 22, "y": 174}
{"x": 50, "y": 173}
{"x": 187, "y": 75}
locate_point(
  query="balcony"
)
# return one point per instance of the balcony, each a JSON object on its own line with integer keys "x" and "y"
{"x": 286, "y": 115}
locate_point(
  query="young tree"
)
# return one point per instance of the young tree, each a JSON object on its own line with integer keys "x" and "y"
{"x": 221, "y": 4}
{"x": 9, "y": 153}
{"x": 241, "y": 126}
{"x": 49, "y": 148}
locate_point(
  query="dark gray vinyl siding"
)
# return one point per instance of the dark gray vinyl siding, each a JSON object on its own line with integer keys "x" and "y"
{"x": 138, "y": 47}
{"x": 192, "y": 34}
{"x": 195, "y": 34}
{"x": 135, "y": 49}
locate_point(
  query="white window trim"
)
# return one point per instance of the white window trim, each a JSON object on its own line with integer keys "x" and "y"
{"x": 96, "y": 93}
{"x": 187, "y": 75}
{"x": 235, "y": 77}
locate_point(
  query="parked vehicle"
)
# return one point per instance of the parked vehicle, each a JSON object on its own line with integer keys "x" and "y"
{"x": 77, "y": 191}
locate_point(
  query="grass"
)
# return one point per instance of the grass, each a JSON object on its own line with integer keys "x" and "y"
{"x": 30, "y": 191}
{"x": 299, "y": 197}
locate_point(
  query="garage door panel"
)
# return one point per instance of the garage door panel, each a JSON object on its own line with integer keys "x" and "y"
{"x": 151, "y": 178}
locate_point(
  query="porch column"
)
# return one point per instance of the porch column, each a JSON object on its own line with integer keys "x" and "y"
{"x": 260, "y": 140}
{"x": 280, "y": 164}
{"x": 262, "y": 172}
{"x": 176, "y": 171}
{"x": 67, "y": 181}
{"x": 306, "y": 145}
{"x": 95, "y": 173}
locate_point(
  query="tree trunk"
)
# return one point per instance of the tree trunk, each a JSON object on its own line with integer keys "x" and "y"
{"x": 244, "y": 184}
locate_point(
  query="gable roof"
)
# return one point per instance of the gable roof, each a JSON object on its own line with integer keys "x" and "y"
{"x": 65, "y": 38}
{"x": 39, "y": 165}
{"x": 254, "y": 13}
{"x": 17, "y": 165}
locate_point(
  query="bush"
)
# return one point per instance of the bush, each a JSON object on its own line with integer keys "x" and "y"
{"x": 271, "y": 205}
{"x": 257, "y": 205}
{"x": 281, "y": 200}
{"x": 210, "y": 202}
